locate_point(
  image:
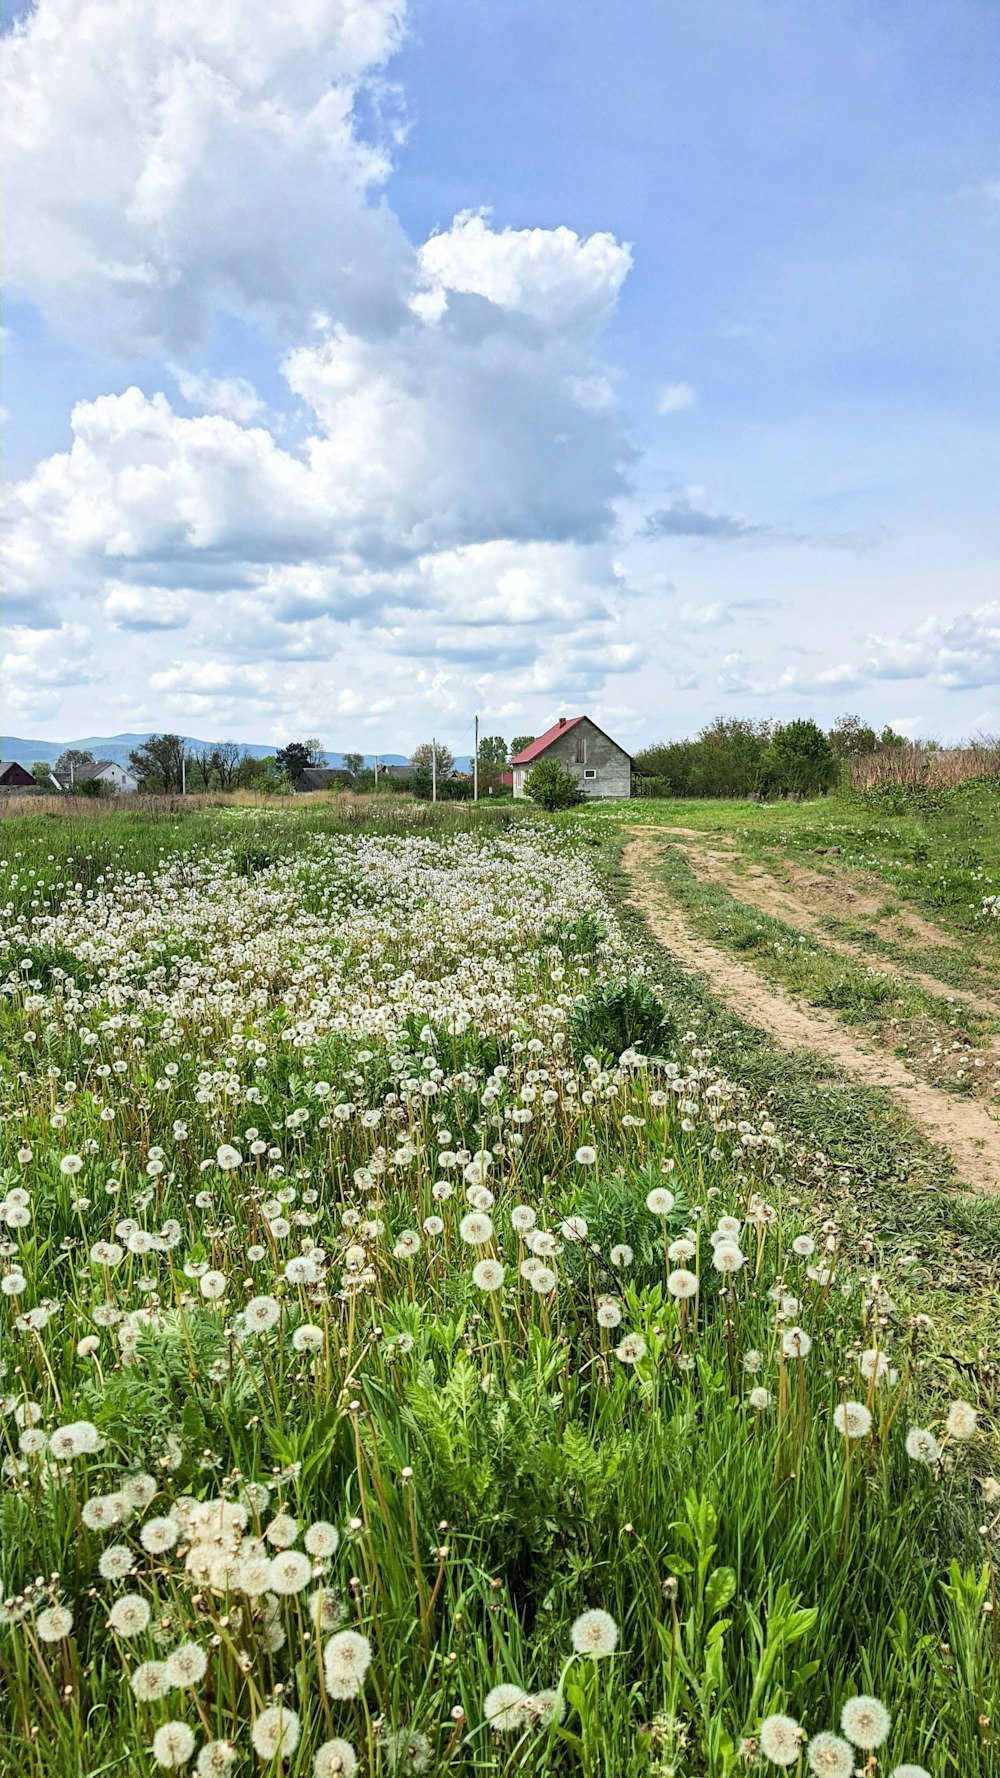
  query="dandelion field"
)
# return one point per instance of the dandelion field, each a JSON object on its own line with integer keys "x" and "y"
{"x": 418, "y": 1355}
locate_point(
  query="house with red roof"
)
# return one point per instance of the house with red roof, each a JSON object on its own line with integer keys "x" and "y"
{"x": 601, "y": 767}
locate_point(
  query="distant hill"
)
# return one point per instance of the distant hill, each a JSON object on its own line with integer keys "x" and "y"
{"x": 118, "y": 748}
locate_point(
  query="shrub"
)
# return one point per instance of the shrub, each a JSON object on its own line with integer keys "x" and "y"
{"x": 617, "y": 1016}
{"x": 551, "y": 786}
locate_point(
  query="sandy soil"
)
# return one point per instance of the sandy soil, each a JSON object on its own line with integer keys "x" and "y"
{"x": 794, "y": 897}
{"x": 965, "y": 1128}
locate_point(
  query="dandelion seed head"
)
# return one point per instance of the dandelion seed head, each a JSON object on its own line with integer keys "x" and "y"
{"x": 173, "y": 1744}
{"x": 865, "y": 1721}
{"x": 594, "y": 1633}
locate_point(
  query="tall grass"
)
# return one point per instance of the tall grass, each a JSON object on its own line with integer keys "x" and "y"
{"x": 917, "y": 766}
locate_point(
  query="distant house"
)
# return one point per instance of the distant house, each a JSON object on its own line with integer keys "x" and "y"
{"x": 103, "y": 771}
{"x": 600, "y": 766}
{"x": 14, "y": 777}
{"x": 322, "y": 778}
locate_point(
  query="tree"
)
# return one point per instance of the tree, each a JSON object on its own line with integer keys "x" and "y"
{"x": 295, "y": 756}
{"x": 889, "y": 738}
{"x": 420, "y": 758}
{"x": 74, "y": 763}
{"x": 850, "y": 737}
{"x": 42, "y": 771}
{"x": 158, "y": 763}
{"x": 228, "y": 759}
{"x": 519, "y": 743}
{"x": 799, "y": 759}
{"x": 353, "y": 763}
{"x": 493, "y": 753}
{"x": 551, "y": 786}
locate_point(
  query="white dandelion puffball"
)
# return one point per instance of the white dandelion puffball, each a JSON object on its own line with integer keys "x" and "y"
{"x": 795, "y": 1343}
{"x": 608, "y": 1315}
{"x": 159, "y": 1535}
{"x": 632, "y": 1349}
{"x": 476, "y": 1228}
{"x": 187, "y": 1665}
{"x": 780, "y": 1740}
{"x": 595, "y": 1633}
{"x": 682, "y": 1284}
{"x": 504, "y": 1708}
{"x": 852, "y": 1419}
{"x": 804, "y": 1246}
{"x": 727, "y": 1257}
{"x": 488, "y": 1274}
{"x": 922, "y": 1446}
{"x": 866, "y": 1722}
{"x": 212, "y": 1285}
{"x": 622, "y": 1255}
{"x": 262, "y": 1313}
{"x": 129, "y": 1616}
{"x": 660, "y": 1201}
{"x": 961, "y": 1421}
{"x": 909, "y": 1772}
{"x": 290, "y": 1572}
{"x": 149, "y": 1681}
{"x": 760, "y": 1399}
{"x": 542, "y": 1280}
{"x": 55, "y": 1624}
{"x": 830, "y": 1757}
{"x": 522, "y": 1218}
{"x": 282, "y": 1531}
{"x": 586, "y": 1156}
{"x": 322, "y": 1539}
{"x": 346, "y": 1659}
{"x": 276, "y": 1731}
{"x": 335, "y": 1759}
{"x": 173, "y": 1744}
{"x": 214, "y": 1759}
{"x": 873, "y": 1365}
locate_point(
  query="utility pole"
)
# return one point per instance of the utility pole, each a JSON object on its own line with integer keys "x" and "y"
{"x": 183, "y": 773}
{"x": 475, "y": 764}
{"x": 434, "y": 771}
{"x": 375, "y": 767}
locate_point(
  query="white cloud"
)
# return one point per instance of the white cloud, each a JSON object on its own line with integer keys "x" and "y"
{"x": 673, "y": 397}
{"x": 957, "y": 653}
{"x": 233, "y": 397}
{"x": 165, "y": 157}
{"x": 550, "y": 275}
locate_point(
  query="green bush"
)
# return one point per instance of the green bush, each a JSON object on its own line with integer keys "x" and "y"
{"x": 617, "y": 1016}
{"x": 551, "y": 786}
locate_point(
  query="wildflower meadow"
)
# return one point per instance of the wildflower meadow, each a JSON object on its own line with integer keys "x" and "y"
{"x": 419, "y": 1354}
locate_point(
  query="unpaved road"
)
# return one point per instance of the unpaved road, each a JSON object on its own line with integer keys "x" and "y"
{"x": 965, "y": 1128}
{"x": 788, "y": 899}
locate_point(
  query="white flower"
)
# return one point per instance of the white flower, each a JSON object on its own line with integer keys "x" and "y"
{"x": 795, "y": 1343}
{"x": 909, "y": 1772}
{"x": 262, "y": 1313}
{"x": 873, "y": 1365}
{"x": 129, "y": 1616}
{"x": 595, "y": 1633}
{"x": 115, "y": 1562}
{"x": 586, "y": 1156}
{"x": 804, "y": 1246}
{"x": 866, "y": 1722}
{"x": 961, "y": 1421}
{"x": 346, "y": 1660}
{"x": 322, "y": 1539}
{"x": 475, "y": 1228}
{"x": 682, "y": 1284}
{"x": 632, "y": 1349}
{"x": 608, "y": 1315}
{"x": 212, "y": 1285}
{"x": 275, "y": 1731}
{"x": 307, "y": 1338}
{"x": 759, "y": 1399}
{"x": 149, "y": 1681}
{"x": 522, "y": 1218}
{"x": 660, "y": 1201}
{"x": 54, "y": 1624}
{"x": 488, "y": 1274}
{"x": 70, "y": 1164}
{"x": 853, "y": 1419}
{"x": 727, "y": 1256}
{"x": 290, "y": 1572}
{"x": 922, "y": 1446}
{"x": 282, "y": 1531}
{"x": 187, "y": 1665}
{"x": 504, "y": 1709}
{"x": 173, "y": 1744}
{"x": 622, "y": 1255}
{"x": 335, "y": 1759}
{"x": 228, "y": 1157}
{"x": 214, "y": 1759}
{"x": 158, "y": 1535}
{"x": 829, "y": 1757}
{"x": 780, "y": 1740}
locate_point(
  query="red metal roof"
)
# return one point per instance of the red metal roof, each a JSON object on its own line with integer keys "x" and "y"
{"x": 527, "y": 754}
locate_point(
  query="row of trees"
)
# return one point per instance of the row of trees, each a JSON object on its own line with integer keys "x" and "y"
{"x": 737, "y": 757}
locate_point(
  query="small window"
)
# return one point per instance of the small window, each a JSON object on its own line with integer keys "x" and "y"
{"x": 581, "y": 750}
{"x": 591, "y": 773}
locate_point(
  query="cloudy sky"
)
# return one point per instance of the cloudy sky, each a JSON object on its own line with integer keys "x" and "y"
{"x": 371, "y": 363}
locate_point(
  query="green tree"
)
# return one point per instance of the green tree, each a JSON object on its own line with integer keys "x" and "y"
{"x": 42, "y": 771}
{"x": 292, "y": 759}
{"x": 74, "y": 763}
{"x": 353, "y": 763}
{"x": 157, "y": 763}
{"x": 799, "y": 759}
{"x": 551, "y": 786}
{"x": 493, "y": 753}
{"x": 519, "y": 743}
{"x": 420, "y": 758}
{"x": 889, "y": 738}
{"x": 850, "y": 737}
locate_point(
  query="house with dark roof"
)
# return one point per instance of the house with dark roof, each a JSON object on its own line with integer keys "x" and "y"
{"x": 322, "y": 778}
{"x": 600, "y": 766}
{"x": 15, "y": 777}
{"x": 105, "y": 772}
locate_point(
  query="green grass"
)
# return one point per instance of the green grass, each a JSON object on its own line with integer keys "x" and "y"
{"x": 355, "y": 1012}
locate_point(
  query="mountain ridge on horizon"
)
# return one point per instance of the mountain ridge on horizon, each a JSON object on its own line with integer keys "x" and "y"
{"x": 118, "y": 747}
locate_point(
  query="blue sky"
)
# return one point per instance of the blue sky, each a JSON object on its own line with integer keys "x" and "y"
{"x": 700, "y": 416}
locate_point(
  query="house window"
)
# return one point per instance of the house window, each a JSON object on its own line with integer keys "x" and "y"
{"x": 581, "y": 750}
{"x": 591, "y": 773}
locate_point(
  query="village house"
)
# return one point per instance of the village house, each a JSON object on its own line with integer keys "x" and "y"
{"x": 599, "y": 765}
{"x": 104, "y": 772}
{"x": 13, "y": 777}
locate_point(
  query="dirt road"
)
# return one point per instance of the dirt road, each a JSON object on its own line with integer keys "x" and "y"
{"x": 965, "y": 1128}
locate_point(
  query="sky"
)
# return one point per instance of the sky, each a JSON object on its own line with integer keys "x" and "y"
{"x": 370, "y": 364}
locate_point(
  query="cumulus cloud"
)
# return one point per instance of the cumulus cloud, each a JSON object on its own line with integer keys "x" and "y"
{"x": 550, "y": 275}
{"x": 234, "y": 397}
{"x": 683, "y": 518}
{"x": 674, "y": 397}
{"x": 957, "y": 653}
{"x": 164, "y": 158}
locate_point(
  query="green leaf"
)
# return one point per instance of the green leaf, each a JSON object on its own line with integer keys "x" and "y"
{"x": 719, "y": 1589}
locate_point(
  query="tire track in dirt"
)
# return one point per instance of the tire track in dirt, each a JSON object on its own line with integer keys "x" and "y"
{"x": 966, "y": 1130}
{"x": 759, "y": 891}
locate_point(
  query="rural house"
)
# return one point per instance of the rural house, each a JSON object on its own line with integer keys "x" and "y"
{"x": 106, "y": 772}
{"x": 600, "y": 766}
{"x": 14, "y": 777}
